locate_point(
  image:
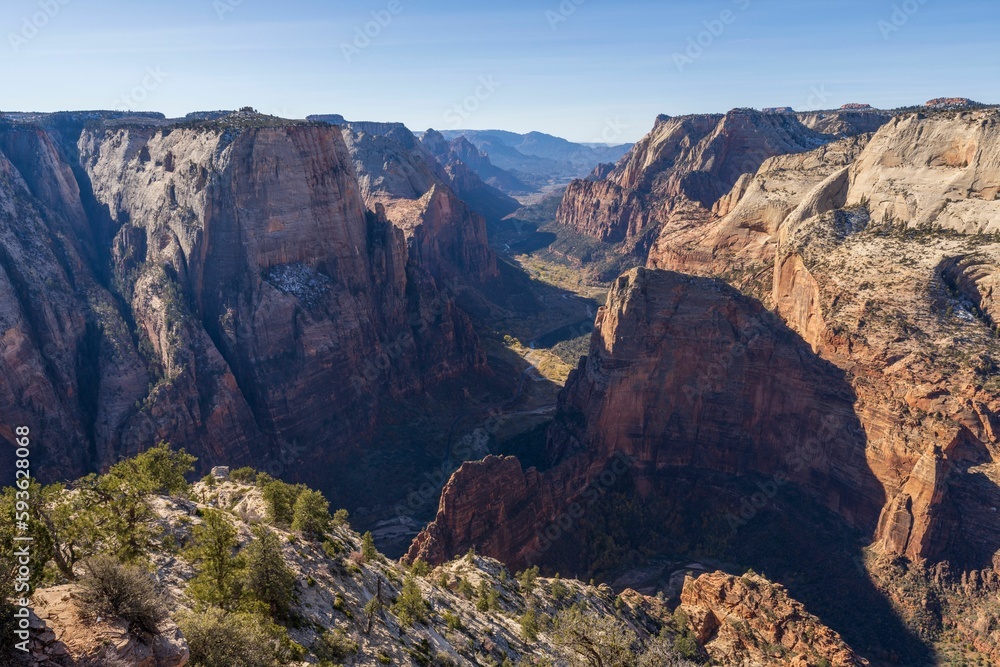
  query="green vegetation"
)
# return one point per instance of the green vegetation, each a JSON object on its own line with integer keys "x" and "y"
{"x": 453, "y": 621}
{"x": 280, "y": 499}
{"x": 213, "y": 552}
{"x": 465, "y": 589}
{"x": 334, "y": 646}
{"x": 241, "y": 594}
{"x": 244, "y": 475}
{"x": 527, "y": 579}
{"x": 410, "y": 607}
{"x": 489, "y": 597}
{"x": 560, "y": 591}
{"x": 269, "y": 580}
{"x": 588, "y": 643}
{"x": 368, "y": 551}
{"x": 529, "y": 626}
{"x": 311, "y": 513}
{"x": 218, "y": 638}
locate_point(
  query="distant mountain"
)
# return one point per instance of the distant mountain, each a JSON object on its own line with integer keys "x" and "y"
{"x": 462, "y": 149}
{"x": 537, "y": 158}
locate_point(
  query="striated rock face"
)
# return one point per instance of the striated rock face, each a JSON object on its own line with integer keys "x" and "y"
{"x": 876, "y": 252}
{"x": 851, "y": 120}
{"x": 692, "y": 158}
{"x": 443, "y": 233}
{"x": 749, "y": 620}
{"x": 879, "y": 252}
{"x": 885, "y": 272}
{"x": 249, "y": 294}
{"x": 738, "y": 237}
{"x": 675, "y": 181}
{"x": 682, "y": 373}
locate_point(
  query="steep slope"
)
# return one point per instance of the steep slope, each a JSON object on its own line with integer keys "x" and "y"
{"x": 474, "y": 174}
{"x": 682, "y": 373}
{"x": 354, "y": 606}
{"x": 737, "y": 238}
{"x": 671, "y": 180}
{"x": 694, "y": 159}
{"x": 246, "y": 286}
{"x": 880, "y": 252}
{"x": 750, "y": 619}
{"x": 846, "y": 122}
{"x": 443, "y": 233}
{"x": 887, "y": 269}
{"x": 432, "y": 157}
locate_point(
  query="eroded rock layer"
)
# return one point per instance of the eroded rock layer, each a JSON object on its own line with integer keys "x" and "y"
{"x": 682, "y": 372}
{"x": 222, "y": 285}
{"x": 880, "y": 253}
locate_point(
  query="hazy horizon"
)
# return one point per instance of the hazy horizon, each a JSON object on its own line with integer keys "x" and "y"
{"x": 580, "y": 69}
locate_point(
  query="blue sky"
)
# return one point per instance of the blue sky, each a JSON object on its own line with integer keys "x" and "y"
{"x": 589, "y": 70}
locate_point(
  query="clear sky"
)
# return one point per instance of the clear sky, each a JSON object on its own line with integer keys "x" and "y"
{"x": 588, "y": 70}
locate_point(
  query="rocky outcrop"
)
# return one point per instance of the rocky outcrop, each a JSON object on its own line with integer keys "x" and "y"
{"x": 393, "y": 164}
{"x": 849, "y": 121}
{"x": 604, "y": 210}
{"x": 221, "y": 285}
{"x": 682, "y": 373}
{"x": 737, "y": 238}
{"x": 883, "y": 271}
{"x": 877, "y": 251}
{"x": 63, "y": 634}
{"x": 893, "y": 210}
{"x": 749, "y": 620}
{"x": 444, "y": 234}
{"x": 951, "y": 103}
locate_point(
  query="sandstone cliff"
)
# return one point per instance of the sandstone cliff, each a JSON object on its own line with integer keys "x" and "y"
{"x": 444, "y": 234}
{"x": 682, "y": 373}
{"x": 737, "y": 238}
{"x": 476, "y": 179}
{"x": 219, "y": 284}
{"x": 690, "y": 158}
{"x": 886, "y": 266}
{"x": 675, "y": 181}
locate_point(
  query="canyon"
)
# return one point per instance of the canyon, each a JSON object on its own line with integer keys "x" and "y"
{"x": 795, "y": 368}
{"x": 866, "y": 261}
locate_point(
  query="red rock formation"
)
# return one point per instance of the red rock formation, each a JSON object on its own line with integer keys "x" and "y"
{"x": 741, "y": 620}
{"x": 444, "y": 234}
{"x": 684, "y": 164}
{"x": 683, "y": 372}
{"x": 826, "y": 215}
{"x": 671, "y": 180}
{"x": 474, "y": 177}
{"x": 951, "y": 103}
{"x": 270, "y": 305}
